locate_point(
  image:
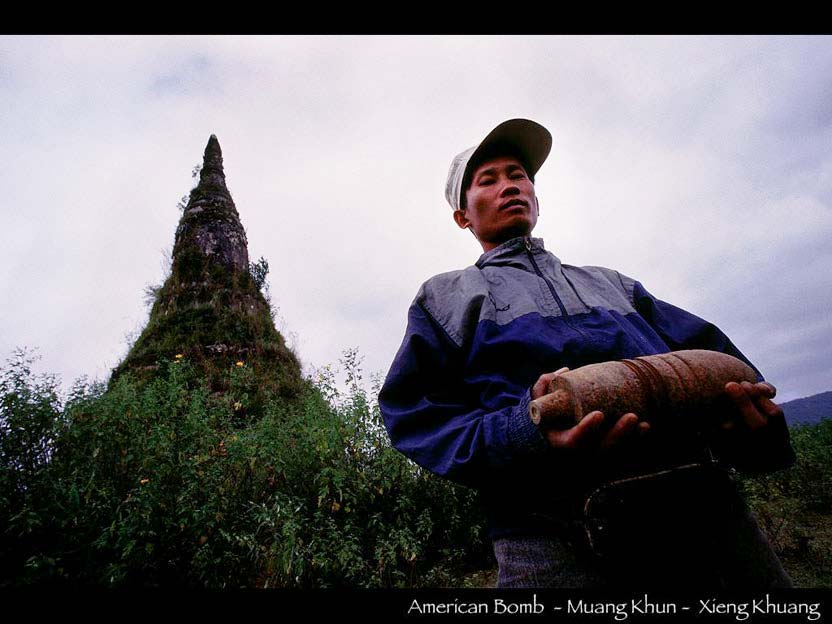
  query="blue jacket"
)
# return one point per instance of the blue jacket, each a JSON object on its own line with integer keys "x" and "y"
{"x": 456, "y": 398}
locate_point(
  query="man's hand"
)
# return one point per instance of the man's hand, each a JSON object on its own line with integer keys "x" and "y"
{"x": 754, "y": 407}
{"x": 541, "y": 386}
{"x": 587, "y": 434}
{"x": 754, "y": 434}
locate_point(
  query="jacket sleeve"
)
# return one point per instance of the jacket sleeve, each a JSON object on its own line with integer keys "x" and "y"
{"x": 764, "y": 450}
{"x": 432, "y": 418}
{"x": 681, "y": 329}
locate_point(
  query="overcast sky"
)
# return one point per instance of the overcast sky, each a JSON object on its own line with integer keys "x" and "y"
{"x": 701, "y": 166}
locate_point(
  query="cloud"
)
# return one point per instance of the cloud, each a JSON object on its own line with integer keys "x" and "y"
{"x": 196, "y": 74}
{"x": 698, "y": 165}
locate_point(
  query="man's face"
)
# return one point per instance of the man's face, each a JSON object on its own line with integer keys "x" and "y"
{"x": 500, "y": 203}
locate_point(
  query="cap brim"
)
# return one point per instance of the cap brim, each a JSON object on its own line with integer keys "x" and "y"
{"x": 531, "y": 139}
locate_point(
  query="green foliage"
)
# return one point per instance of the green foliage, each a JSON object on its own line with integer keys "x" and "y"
{"x": 794, "y": 506}
{"x": 29, "y": 412}
{"x": 151, "y": 294}
{"x": 215, "y": 316}
{"x": 165, "y": 484}
{"x": 259, "y": 270}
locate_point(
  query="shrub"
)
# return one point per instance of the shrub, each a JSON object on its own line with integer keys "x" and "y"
{"x": 794, "y": 506}
{"x": 29, "y": 416}
{"x": 162, "y": 484}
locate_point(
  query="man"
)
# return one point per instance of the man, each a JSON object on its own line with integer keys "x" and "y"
{"x": 595, "y": 504}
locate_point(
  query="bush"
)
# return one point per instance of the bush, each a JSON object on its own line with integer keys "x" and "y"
{"x": 794, "y": 506}
{"x": 162, "y": 484}
{"x": 29, "y": 417}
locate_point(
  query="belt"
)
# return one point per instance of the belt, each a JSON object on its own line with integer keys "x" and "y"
{"x": 685, "y": 502}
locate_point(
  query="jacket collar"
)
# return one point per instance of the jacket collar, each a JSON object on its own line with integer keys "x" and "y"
{"x": 510, "y": 250}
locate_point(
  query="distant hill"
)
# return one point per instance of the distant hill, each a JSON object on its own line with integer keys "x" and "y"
{"x": 809, "y": 410}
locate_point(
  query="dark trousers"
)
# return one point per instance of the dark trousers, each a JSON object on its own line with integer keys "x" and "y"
{"x": 670, "y": 539}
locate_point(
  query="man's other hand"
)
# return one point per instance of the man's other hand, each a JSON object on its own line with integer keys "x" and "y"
{"x": 753, "y": 434}
{"x": 754, "y": 407}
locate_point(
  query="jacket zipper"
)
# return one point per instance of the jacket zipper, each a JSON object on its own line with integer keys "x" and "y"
{"x": 543, "y": 277}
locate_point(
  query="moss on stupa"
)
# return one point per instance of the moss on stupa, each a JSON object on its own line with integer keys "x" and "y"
{"x": 210, "y": 311}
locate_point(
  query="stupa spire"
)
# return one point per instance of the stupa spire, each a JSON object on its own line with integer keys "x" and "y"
{"x": 212, "y": 173}
{"x": 210, "y": 222}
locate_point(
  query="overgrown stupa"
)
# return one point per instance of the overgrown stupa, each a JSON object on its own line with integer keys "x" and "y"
{"x": 210, "y": 310}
